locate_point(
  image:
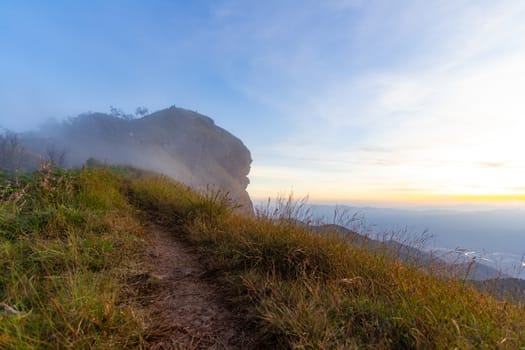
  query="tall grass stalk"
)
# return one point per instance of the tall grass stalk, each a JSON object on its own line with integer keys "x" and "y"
{"x": 313, "y": 288}
{"x": 67, "y": 242}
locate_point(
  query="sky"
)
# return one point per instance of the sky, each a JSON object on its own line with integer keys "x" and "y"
{"x": 371, "y": 102}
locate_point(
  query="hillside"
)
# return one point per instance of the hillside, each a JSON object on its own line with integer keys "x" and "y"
{"x": 77, "y": 246}
{"x": 182, "y": 144}
{"x": 409, "y": 254}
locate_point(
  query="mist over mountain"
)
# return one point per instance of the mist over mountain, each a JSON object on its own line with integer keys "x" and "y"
{"x": 189, "y": 147}
{"x": 493, "y": 238}
{"x": 413, "y": 253}
{"x": 179, "y": 143}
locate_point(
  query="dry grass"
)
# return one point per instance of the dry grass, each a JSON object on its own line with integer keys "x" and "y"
{"x": 70, "y": 246}
{"x": 317, "y": 290}
{"x": 67, "y": 243}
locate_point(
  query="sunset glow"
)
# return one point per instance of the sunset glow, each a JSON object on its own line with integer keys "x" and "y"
{"x": 347, "y": 101}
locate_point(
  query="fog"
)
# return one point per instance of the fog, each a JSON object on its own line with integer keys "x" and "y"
{"x": 176, "y": 142}
{"x": 500, "y": 230}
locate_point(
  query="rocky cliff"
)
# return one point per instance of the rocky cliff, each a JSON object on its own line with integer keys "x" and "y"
{"x": 182, "y": 144}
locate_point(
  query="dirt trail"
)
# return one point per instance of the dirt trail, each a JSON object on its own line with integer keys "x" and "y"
{"x": 186, "y": 310}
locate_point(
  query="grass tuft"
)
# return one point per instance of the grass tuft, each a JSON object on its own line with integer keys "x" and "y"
{"x": 67, "y": 239}
{"x": 70, "y": 245}
{"x": 315, "y": 289}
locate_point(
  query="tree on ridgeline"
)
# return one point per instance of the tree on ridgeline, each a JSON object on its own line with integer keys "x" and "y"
{"x": 141, "y": 111}
{"x": 56, "y": 156}
{"x": 119, "y": 113}
{"x": 12, "y": 153}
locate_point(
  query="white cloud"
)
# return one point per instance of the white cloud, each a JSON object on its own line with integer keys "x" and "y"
{"x": 443, "y": 115}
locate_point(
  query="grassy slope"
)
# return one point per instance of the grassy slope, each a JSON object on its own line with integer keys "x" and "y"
{"x": 321, "y": 291}
{"x": 69, "y": 242}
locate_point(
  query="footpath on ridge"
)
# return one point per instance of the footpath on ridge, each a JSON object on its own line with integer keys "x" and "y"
{"x": 187, "y": 311}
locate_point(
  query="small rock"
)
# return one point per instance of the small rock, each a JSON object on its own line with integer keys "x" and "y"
{"x": 8, "y": 310}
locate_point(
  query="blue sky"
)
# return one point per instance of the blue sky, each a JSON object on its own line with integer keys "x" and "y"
{"x": 345, "y": 100}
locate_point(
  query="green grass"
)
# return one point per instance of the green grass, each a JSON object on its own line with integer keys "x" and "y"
{"x": 67, "y": 242}
{"x": 70, "y": 242}
{"x": 312, "y": 290}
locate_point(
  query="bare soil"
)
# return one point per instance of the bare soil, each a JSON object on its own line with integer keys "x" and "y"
{"x": 185, "y": 310}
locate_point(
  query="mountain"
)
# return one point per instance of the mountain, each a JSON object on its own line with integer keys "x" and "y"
{"x": 491, "y": 237}
{"x": 471, "y": 270}
{"x": 179, "y": 143}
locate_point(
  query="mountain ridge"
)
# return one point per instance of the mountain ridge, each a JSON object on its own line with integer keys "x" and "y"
{"x": 177, "y": 142}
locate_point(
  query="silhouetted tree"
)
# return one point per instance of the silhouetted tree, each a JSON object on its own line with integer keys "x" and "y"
{"x": 141, "y": 111}
{"x": 116, "y": 112}
{"x": 11, "y": 152}
{"x": 56, "y": 156}
{"x": 119, "y": 113}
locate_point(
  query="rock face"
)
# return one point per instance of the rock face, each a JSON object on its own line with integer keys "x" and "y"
{"x": 182, "y": 144}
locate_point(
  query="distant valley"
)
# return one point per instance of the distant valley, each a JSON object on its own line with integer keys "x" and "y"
{"x": 494, "y": 238}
